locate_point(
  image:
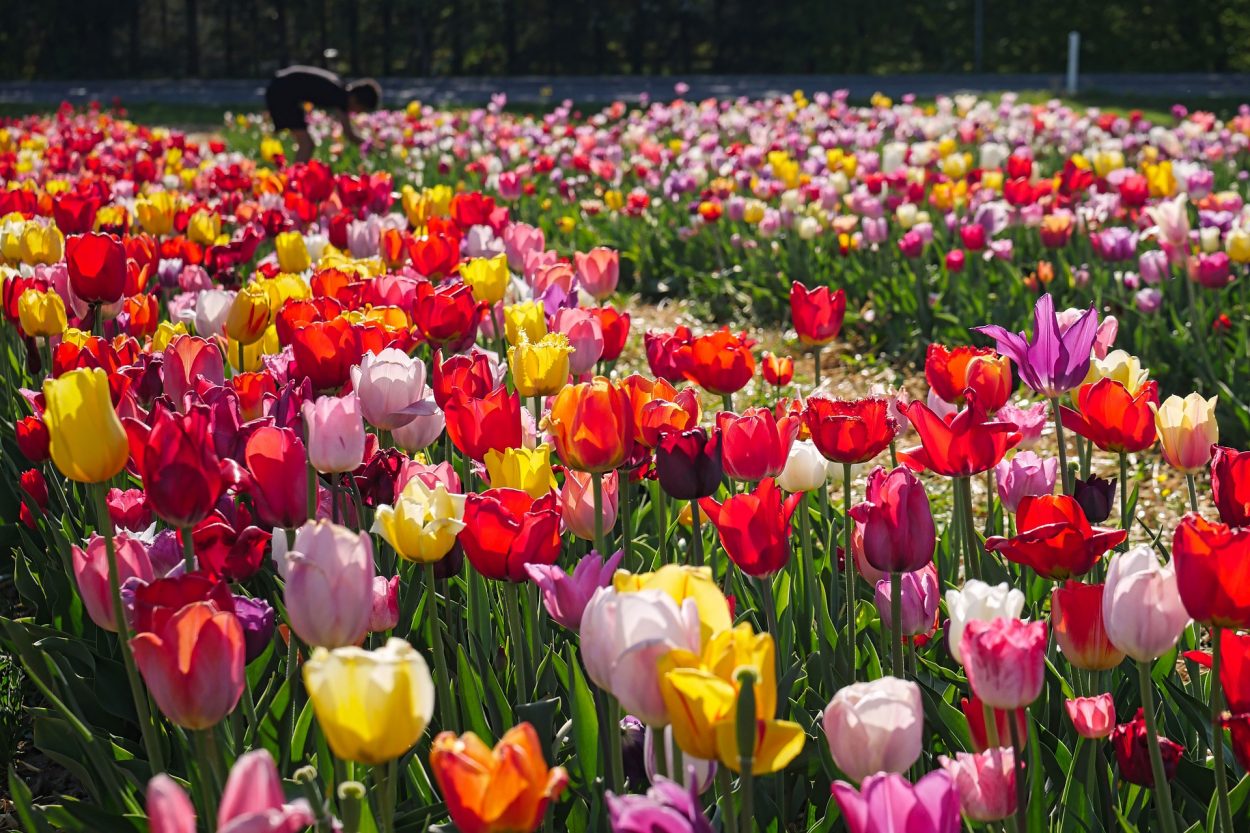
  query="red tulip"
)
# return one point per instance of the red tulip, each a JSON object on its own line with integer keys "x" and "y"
{"x": 850, "y": 431}
{"x": 666, "y": 353}
{"x": 472, "y": 209}
{"x": 33, "y": 438}
{"x": 477, "y": 426}
{"x": 951, "y": 371}
{"x": 182, "y": 474}
{"x": 465, "y": 374}
{"x": 1132, "y": 752}
{"x": 720, "y": 362}
{"x": 778, "y": 370}
{"x": 505, "y": 529}
{"x": 756, "y": 444}
{"x": 75, "y": 213}
{"x": 277, "y": 462}
{"x": 194, "y": 665}
{"x": 969, "y": 444}
{"x": 129, "y": 509}
{"x": 1235, "y": 670}
{"x": 754, "y": 527}
{"x": 434, "y": 255}
{"x": 97, "y": 267}
{"x": 447, "y": 316}
{"x": 666, "y": 410}
{"x": 615, "y": 327}
{"x": 1238, "y": 726}
{"x": 1055, "y": 538}
{"x": 974, "y": 711}
{"x": 1213, "y": 571}
{"x": 1076, "y": 619}
{"x": 894, "y": 524}
{"x": 157, "y": 602}
{"x": 817, "y": 313}
{"x": 324, "y": 352}
{"x": 235, "y": 554}
{"x": 1112, "y": 417}
{"x": 1230, "y": 485}
{"x": 688, "y": 463}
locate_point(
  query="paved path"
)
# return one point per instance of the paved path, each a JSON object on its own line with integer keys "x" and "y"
{"x": 1191, "y": 87}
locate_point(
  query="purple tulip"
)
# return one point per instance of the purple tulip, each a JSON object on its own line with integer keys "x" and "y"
{"x": 257, "y": 618}
{"x": 666, "y": 808}
{"x": 918, "y": 600}
{"x": 887, "y": 803}
{"x": 1054, "y": 361}
{"x": 1024, "y": 474}
{"x": 565, "y": 595}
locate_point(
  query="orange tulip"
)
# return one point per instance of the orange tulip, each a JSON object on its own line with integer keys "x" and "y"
{"x": 592, "y": 425}
{"x": 500, "y": 790}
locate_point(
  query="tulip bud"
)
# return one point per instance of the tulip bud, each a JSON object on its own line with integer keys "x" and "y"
{"x": 1142, "y": 609}
{"x": 384, "y": 614}
{"x": 688, "y": 463}
{"x": 986, "y": 782}
{"x": 919, "y": 600}
{"x": 1076, "y": 617}
{"x": 895, "y": 522}
{"x": 1095, "y": 496}
{"x": 805, "y": 470}
{"x": 875, "y": 727}
{"x": 1005, "y": 661}
{"x": 329, "y": 584}
{"x": 1093, "y": 717}
{"x": 336, "y": 433}
{"x": 1023, "y": 475}
{"x": 1132, "y": 752}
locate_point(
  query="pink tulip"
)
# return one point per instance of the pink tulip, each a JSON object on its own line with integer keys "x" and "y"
{"x": 253, "y": 800}
{"x": 187, "y": 359}
{"x": 430, "y": 475}
{"x": 559, "y": 276}
{"x": 577, "y": 503}
{"x": 1005, "y": 661}
{"x": 535, "y": 260}
{"x": 887, "y": 803}
{"x": 1142, "y": 610}
{"x": 565, "y": 595}
{"x": 91, "y": 570}
{"x": 1023, "y": 475}
{"x": 1104, "y": 337}
{"x": 329, "y": 586}
{"x": 169, "y": 808}
{"x": 986, "y": 782}
{"x": 336, "y": 433}
{"x": 420, "y": 432}
{"x": 1093, "y": 717}
{"x": 391, "y": 387}
{"x": 519, "y": 240}
{"x": 1028, "y": 421}
{"x": 895, "y": 521}
{"x": 384, "y": 615}
{"x": 919, "y": 600}
{"x": 584, "y": 334}
{"x": 598, "y": 271}
{"x": 875, "y": 727}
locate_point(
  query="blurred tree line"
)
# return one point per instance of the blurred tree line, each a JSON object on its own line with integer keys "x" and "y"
{"x": 250, "y": 38}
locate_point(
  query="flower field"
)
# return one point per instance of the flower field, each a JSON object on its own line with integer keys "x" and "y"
{"x": 351, "y": 495}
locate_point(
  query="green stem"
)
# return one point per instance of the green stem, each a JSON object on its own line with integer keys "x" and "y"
{"x": 1125, "y": 521}
{"x": 627, "y": 518}
{"x": 292, "y": 684}
{"x": 727, "y": 402}
{"x": 512, "y": 600}
{"x": 616, "y": 764}
{"x": 597, "y": 485}
{"x": 1022, "y": 795}
{"x": 809, "y": 566}
{"x": 849, "y": 561}
{"x": 696, "y": 534}
{"x": 384, "y": 775}
{"x": 151, "y": 743}
{"x": 446, "y": 705}
{"x": 202, "y": 740}
{"x": 1217, "y": 736}
{"x": 660, "y": 510}
{"x": 188, "y": 549}
{"x": 990, "y": 716}
{"x": 1064, "y": 480}
{"x": 723, "y": 788}
{"x": 896, "y": 624}
{"x": 970, "y": 528}
{"x": 1163, "y": 791}
{"x": 1193, "y": 492}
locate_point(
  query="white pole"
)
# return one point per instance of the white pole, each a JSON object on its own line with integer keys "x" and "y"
{"x": 1074, "y": 61}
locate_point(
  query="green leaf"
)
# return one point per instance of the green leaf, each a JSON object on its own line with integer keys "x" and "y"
{"x": 471, "y": 693}
{"x": 585, "y": 720}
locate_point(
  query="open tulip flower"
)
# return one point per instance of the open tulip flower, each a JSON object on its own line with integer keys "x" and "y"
{"x": 384, "y": 479}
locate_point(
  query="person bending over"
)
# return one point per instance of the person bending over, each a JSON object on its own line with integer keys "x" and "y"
{"x": 295, "y": 86}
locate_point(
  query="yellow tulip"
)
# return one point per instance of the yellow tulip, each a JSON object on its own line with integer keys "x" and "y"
{"x": 684, "y": 582}
{"x": 541, "y": 368}
{"x": 423, "y": 524}
{"x": 614, "y": 199}
{"x": 270, "y": 148}
{"x": 1238, "y": 245}
{"x": 521, "y": 468}
{"x": 204, "y": 227}
{"x": 111, "y": 216}
{"x": 292, "y": 253}
{"x": 1119, "y": 366}
{"x": 283, "y": 287}
{"x": 267, "y": 345}
{"x": 156, "y": 212}
{"x": 372, "y": 706}
{"x": 487, "y": 277}
{"x": 753, "y": 212}
{"x": 1106, "y": 161}
{"x": 41, "y": 243}
{"x": 41, "y": 313}
{"x": 528, "y": 317}
{"x": 1187, "y": 430}
{"x": 165, "y": 332}
{"x": 88, "y": 443}
{"x": 992, "y": 180}
{"x": 777, "y": 743}
{"x": 250, "y": 314}
{"x": 1160, "y": 178}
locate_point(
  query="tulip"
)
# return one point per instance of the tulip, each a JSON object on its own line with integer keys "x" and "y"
{"x": 187, "y": 360}
{"x": 250, "y": 314}
{"x": 1142, "y": 609}
{"x": 565, "y": 595}
{"x": 1005, "y": 661}
{"x": 1230, "y": 485}
{"x": 975, "y": 713}
{"x": 526, "y": 319}
{"x": 1112, "y": 417}
{"x": 950, "y": 372}
{"x": 472, "y": 374}
{"x": 478, "y": 425}
{"x": 1132, "y": 752}
{"x": 183, "y": 477}
{"x": 420, "y": 432}
{"x": 918, "y": 600}
{"x": 577, "y": 505}
{"x": 598, "y": 271}
{"x": 256, "y": 617}
{"x": 372, "y": 706}
{"x": 875, "y": 727}
{"x": 168, "y": 807}
{"x": 1187, "y": 431}
{"x": 1028, "y": 421}
{"x": 817, "y": 314}
{"x": 1210, "y": 560}
{"x": 696, "y": 774}
{"x": 1095, "y": 496}
{"x": 968, "y": 444}
{"x": 1054, "y": 538}
{"x": 86, "y": 439}
{"x": 1092, "y": 717}
{"x": 292, "y": 252}
{"x": 194, "y": 665}
{"x": 540, "y": 368}
{"x": 329, "y": 584}
{"x": 591, "y": 425}
{"x": 521, "y": 468}
{"x": 275, "y": 459}
{"x": 887, "y": 803}
{"x": 978, "y": 602}
{"x": 615, "y": 327}
{"x": 756, "y": 444}
{"x": 754, "y": 527}
{"x": 1025, "y": 474}
{"x": 850, "y": 431}
{"x": 97, "y": 267}
{"x": 423, "y": 523}
{"x": 336, "y": 433}
{"x": 688, "y": 463}
{"x": 584, "y": 334}
{"x": 806, "y": 468}
{"x": 500, "y": 790}
{"x": 41, "y": 313}
{"x": 1053, "y": 361}
{"x": 33, "y": 440}
{"x": 986, "y": 782}
{"x": 222, "y": 550}
{"x": 1077, "y": 620}
{"x": 667, "y": 410}
{"x": 391, "y": 388}
{"x": 487, "y": 277}
{"x": 778, "y": 370}
{"x": 721, "y": 363}
{"x": 128, "y": 509}
{"x": 91, "y": 572}
{"x": 448, "y": 315}
{"x": 683, "y": 582}
{"x": 895, "y": 522}
{"x": 156, "y": 603}
{"x": 667, "y": 807}
{"x": 505, "y": 529}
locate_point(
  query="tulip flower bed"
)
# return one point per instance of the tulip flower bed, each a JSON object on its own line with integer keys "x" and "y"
{"x": 352, "y": 506}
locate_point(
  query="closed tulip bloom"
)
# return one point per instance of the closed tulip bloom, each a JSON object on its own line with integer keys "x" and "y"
{"x": 1211, "y": 562}
{"x": 754, "y": 527}
{"x": 919, "y": 597}
{"x": 1005, "y": 660}
{"x": 292, "y": 252}
{"x": 615, "y": 327}
{"x": 585, "y": 336}
{"x": 1055, "y": 359}
{"x": 336, "y": 433}
{"x": 86, "y": 439}
{"x": 276, "y": 460}
{"x": 756, "y": 444}
{"x": 527, "y": 319}
{"x": 505, "y": 529}
{"x": 806, "y": 468}
{"x": 91, "y": 573}
{"x": 41, "y": 313}
{"x": 252, "y": 801}
{"x": 850, "y": 431}
{"x": 540, "y": 368}
{"x": 598, "y": 271}
{"x": 577, "y": 503}
{"x": 667, "y": 807}
{"x": 420, "y": 432}
{"x": 183, "y": 477}
{"x": 1095, "y": 496}
{"x": 875, "y": 727}
{"x": 423, "y": 523}
{"x": 887, "y": 803}
{"x": 41, "y": 244}
{"x": 194, "y": 665}
{"x": 501, "y": 790}
{"x": 1142, "y": 609}
{"x": 487, "y": 277}
{"x": 952, "y": 371}
{"x": 1076, "y": 619}
{"x": 1187, "y": 431}
{"x": 895, "y": 522}
{"x": 986, "y": 782}
{"x": 384, "y": 615}
{"x": 663, "y": 415}
{"x": 688, "y": 463}
{"x": 978, "y": 602}
{"x": 97, "y": 267}
{"x": 1230, "y": 485}
{"x": 391, "y": 388}
{"x": 325, "y": 351}
{"x": 778, "y": 370}
{"x": 372, "y": 706}
{"x": 478, "y": 425}
{"x": 187, "y": 359}
{"x": 968, "y": 444}
{"x": 721, "y": 363}
{"x": 681, "y": 582}
{"x": 591, "y": 425}
{"x": 168, "y": 807}
{"x": 1023, "y": 475}
{"x": 565, "y": 595}
{"x": 1132, "y": 753}
{"x": 1054, "y": 538}
{"x": 329, "y": 584}
{"x": 1092, "y": 717}
{"x": 527, "y": 469}
{"x": 816, "y": 313}
{"x": 250, "y": 314}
